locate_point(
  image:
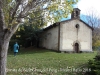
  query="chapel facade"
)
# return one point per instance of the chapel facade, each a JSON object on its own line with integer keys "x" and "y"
{"x": 73, "y": 35}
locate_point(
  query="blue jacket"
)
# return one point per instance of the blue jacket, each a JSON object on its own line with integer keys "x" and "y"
{"x": 16, "y": 47}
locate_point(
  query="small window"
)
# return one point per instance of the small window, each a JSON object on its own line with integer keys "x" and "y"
{"x": 77, "y": 25}
{"x": 77, "y": 13}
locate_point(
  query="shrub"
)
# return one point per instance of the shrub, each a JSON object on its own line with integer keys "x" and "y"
{"x": 94, "y": 66}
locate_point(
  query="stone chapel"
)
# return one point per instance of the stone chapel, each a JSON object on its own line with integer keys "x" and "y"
{"x": 73, "y": 35}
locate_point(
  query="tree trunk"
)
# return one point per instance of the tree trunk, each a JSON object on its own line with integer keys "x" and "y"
{"x": 5, "y": 36}
{"x": 4, "y": 43}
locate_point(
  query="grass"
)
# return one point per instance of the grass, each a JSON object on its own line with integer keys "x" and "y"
{"x": 46, "y": 62}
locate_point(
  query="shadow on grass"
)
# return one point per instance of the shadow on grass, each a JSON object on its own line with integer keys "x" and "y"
{"x": 30, "y": 50}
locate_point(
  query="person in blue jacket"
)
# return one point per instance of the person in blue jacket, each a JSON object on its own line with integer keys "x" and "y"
{"x": 16, "y": 47}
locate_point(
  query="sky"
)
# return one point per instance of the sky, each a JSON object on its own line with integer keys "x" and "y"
{"x": 88, "y": 5}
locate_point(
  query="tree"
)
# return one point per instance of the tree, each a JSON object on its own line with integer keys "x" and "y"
{"x": 12, "y": 13}
{"x": 28, "y": 32}
{"x": 93, "y": 19}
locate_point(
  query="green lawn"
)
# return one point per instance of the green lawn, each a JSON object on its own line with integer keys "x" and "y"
{"x": 46, "y": 62}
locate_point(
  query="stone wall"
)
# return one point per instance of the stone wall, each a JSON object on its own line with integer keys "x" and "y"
{"x": 50, "y": 39}
{"x": 69, "y": 35}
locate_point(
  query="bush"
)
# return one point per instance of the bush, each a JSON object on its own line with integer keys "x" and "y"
{"x": 97, "y": 58}
{"x": 94, "y": 66}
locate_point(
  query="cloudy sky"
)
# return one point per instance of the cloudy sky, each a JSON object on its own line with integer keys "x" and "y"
{"x": 88, "y": 5}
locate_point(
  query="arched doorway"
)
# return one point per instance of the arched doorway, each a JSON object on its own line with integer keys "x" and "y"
{"x": 76, "y": 47}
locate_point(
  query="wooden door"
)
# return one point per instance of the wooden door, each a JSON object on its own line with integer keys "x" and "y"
{"x": 76, "y": 47}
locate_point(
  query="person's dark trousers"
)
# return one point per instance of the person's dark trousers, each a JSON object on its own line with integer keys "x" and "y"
{"x": 15, "y": 53}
